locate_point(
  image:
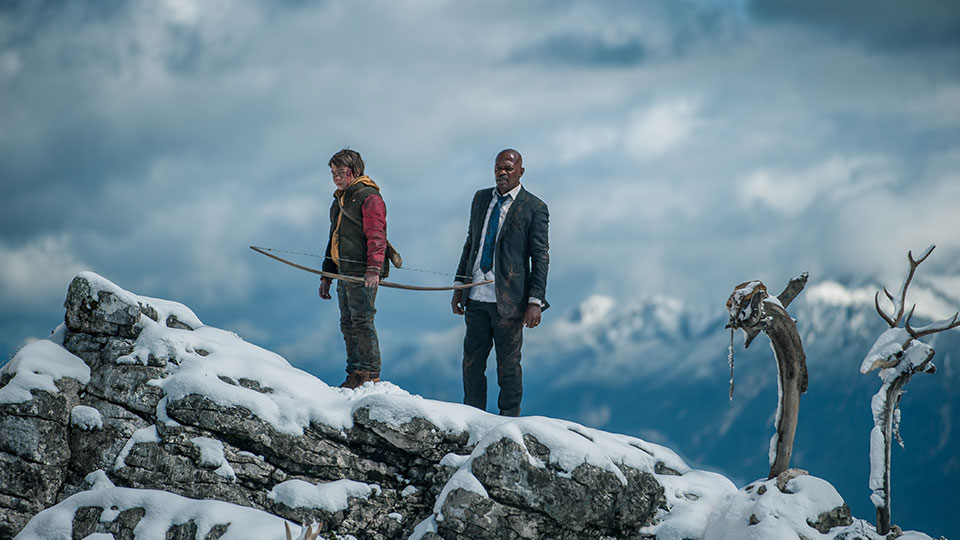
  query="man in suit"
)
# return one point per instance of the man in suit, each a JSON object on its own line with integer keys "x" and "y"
{"x": 507, "y": 242}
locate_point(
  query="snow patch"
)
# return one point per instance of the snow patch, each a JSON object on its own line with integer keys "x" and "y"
{"x": 691, "y": 498}
{"x": 331, "y": 496}
{"x": 86, "y": 418}
{"x": 211, "y": 455}
{"x": 462, "y": 479}
{"x": 38, "y": 366}
{"x": 775, "y": 514}
{"x": 162, "y": 511}
{"x": 98, "y": 480}
{"x": 428, "y": 525}
{"x": 165, "y": 308}
{"x": 147, "y": 434}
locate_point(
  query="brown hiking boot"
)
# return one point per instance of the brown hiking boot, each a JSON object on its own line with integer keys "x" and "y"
{"x": 357, "y": 378}
{"x": 352, "y": 381}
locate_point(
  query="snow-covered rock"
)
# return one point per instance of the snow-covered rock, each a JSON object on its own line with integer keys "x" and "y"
{"x": 137, "y": 420}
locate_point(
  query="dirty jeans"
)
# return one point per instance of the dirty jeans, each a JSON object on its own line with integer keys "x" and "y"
{"x": 486, "y": 329}
{"x": 356, "y": 323}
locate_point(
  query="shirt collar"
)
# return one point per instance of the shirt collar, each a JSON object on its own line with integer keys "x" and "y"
{"x": 512, "y": 193}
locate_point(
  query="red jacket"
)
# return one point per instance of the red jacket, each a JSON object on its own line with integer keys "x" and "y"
{"x": 375, "y": 229}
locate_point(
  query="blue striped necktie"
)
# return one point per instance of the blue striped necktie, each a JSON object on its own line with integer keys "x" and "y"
{"x": 490, "y": 238}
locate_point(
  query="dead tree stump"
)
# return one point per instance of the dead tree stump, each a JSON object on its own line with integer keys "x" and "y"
{"x": 753, "y": 311}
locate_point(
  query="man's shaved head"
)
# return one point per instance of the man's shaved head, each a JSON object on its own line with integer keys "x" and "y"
{"x": 518, "y": 159}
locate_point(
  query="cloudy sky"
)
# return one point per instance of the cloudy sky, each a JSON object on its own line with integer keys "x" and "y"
{"x": 682, "y": 146}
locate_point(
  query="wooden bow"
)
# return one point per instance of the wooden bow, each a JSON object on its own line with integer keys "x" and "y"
{"x": 355, "y": 279}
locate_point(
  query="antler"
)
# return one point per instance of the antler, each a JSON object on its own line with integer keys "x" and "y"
{"x": 934, "y": 327}
{"x": 876, "y": 303}
{"x": 305, "y": 534}
{"x": 900, "y": 302}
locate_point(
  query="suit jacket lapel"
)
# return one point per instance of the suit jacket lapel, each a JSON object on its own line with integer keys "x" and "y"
{"x": 514, "y": 209}
{"x": 481, "y": 214}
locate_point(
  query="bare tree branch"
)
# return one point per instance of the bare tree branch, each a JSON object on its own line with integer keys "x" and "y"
{"x": 901, "y": 300}
{"x": 789, "y": 293}
{"x": 923, "y": 256}
{"x": 934, "y": 327}
{"x": 793, "y": 288}
{"x": 898, "y": 364}
{"x": 752, "y": 311}
{"x": 876, "y": 302}
{"x": 890, "y": 296}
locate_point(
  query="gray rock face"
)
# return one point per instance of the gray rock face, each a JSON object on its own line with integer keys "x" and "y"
{"x": 147, "y": 442}
{"x": 102, "y": 312}
{"x": 838, "y": 517}
{"x": 34, "y": 454}
{"x": 530, "y": 502}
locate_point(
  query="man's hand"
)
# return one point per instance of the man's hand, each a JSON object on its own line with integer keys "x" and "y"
{"x": 456, "y": 302}
{"x": 325, "y": 288}
{"x": 371, "y": 281}
{"x": 531, "y": 318}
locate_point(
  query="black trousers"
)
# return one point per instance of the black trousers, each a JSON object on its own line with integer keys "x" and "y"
{"x": 486, "y": 329}
{"x": 356, "y": 323}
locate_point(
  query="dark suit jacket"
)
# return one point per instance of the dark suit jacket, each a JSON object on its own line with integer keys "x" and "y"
{"x": 522, "y": 251}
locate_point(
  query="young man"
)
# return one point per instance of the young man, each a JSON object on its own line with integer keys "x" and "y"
{"x": 356, "y": 247}
{"x": 507, "y": 242}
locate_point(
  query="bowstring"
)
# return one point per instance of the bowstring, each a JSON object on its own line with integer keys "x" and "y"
{"x": 314, "y": 255}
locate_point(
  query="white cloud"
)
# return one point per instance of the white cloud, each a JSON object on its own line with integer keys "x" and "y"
{"x": 874, "y": 230}
{"x": 647, "y": 133}
{"x": 37, "y": 273}
{"x": 295, "y": 211}
{"x": 661, "y": 128}
{"x": 183, "y": 11}
{"x": 791, "y": 192}
{"x": 579, "y": 142}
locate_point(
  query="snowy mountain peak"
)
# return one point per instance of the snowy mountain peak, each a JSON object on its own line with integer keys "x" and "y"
{"x": 936, "y": 297}
{"x": 832, "y": 293}
{"x": 594, "y": 310}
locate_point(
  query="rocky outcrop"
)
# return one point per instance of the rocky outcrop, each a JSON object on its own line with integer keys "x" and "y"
{"x": 527, "y": 501}
{"x": 135, "y": 420}
{"x": 34, "y": 454}
{"x": 121, "y": 413}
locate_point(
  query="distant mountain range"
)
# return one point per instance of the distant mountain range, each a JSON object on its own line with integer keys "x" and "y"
{"x": 658, "y": 369}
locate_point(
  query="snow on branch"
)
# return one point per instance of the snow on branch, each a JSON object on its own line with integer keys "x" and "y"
{"x": 898, "y": 354}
